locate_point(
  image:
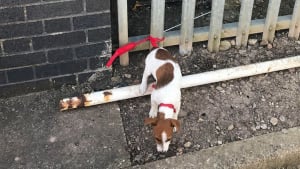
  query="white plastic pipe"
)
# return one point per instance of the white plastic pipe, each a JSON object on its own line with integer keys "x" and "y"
{"x": 116, "y": 94}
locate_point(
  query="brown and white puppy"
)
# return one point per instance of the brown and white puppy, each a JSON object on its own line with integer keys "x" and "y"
{"x": 165, "y": 98}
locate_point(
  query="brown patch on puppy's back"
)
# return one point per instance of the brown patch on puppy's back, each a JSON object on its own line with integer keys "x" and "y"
{"x": 164, "y": 75}
{"x": 164, "y": 55}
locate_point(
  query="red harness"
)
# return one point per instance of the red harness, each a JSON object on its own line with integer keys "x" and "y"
{"x": 171, "y": 106}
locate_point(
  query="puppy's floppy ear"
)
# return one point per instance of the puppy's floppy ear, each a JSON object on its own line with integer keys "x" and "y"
{"x": 151, "y": 121}
{"x": 175, "y": 124}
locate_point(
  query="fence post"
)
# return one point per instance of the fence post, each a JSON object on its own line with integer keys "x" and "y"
{"x": 271, "y": 21}
{"x": 295, "y": 22}
{"x": 187, "y": 27}
{"x": 244, "y": 22}
{"x": 123, "y": 29}
{"x": 215, "y": 28}
{"x": 157, "y": 19}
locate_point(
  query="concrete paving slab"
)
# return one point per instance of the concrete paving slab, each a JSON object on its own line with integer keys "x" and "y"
{"x": 274, "y": 150}
{"x": 34, "y": 134}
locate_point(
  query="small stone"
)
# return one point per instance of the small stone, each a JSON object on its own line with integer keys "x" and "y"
{"x": 127, "y": 75}
{"x": 274, "y": 121}
{"x": 188, "y": 144}
{"x": 298, "y": 42}
{"x": 230, "y": 127}
{"x": 264, "y": 126}
{"x": 200, "y": 120}
{"x": 218, "y": 128}
{"x": 252, "y": 41}
{"x": 253, "y": 105}
{"x": 219, "y": 88}
{"x": 220, "y": 142}
{"x": 242, "y": 52}
{"x": 52, "y": 139}
{"x": 269, "y": 46}
{"x": 225, "y": 45}
{"x": 264, "y": 43}
{"x": 17, "y": 159}
{"x": 232, "y": 42}
{"x": 254, "y": 128}
{"x": 257, "y": 127}
{"x": 214, "y": 66}
{"x": 282, "y": 118}
{"x": 285, "y": 131}
{"x": 263, "y": 99}
{"x": 223, "y": 85}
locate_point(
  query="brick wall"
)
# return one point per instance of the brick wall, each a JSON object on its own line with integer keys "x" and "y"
{"x": 48, "y": 43}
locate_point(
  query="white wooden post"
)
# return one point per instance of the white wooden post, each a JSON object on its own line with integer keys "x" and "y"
{"x": 187, "y": 27}
{"x": 216, "y": 22}
{"x": 123, "y": 29}
{"x": 295, "y": 23}
{"x": 244, "y": 23}
{"x": 271, "y": 20}
{"x": 157, "y": 19}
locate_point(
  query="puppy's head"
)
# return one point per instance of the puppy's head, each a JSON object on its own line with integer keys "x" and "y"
{"x": 163, "y": 131}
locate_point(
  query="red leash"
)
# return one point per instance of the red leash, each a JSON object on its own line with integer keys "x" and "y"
{"x": 129, "y": 46}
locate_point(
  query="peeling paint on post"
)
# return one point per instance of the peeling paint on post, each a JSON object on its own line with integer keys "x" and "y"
{"x": 215, "y": 27}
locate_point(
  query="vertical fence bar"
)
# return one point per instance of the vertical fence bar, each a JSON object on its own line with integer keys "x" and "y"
{"x": 187, "y": 27}
{"x": 157, "y": 19}
{"x": 123, "y": 29}
{"x": 271, "y": 20}
{"x": 215, "y": 28}
{"x": 244, "y": 22}
{"x": 295, "y": 23}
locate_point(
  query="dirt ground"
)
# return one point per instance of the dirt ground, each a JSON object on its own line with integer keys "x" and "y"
{"x": 218, "y": 113}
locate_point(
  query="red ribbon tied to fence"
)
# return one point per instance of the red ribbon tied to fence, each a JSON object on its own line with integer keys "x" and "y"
{"x": 129, "y": 46}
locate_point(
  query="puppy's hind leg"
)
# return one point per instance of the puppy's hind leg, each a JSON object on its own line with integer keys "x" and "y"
{"x": 143, "y": 86}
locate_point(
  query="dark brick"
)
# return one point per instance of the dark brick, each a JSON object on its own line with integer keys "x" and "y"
{"x": 73, "y": 66}
{"x": 19, "y": 75}
{"x": 2, "y": 77}
{"x": 54, "y": 9}
{"x": 97, "y": 5}
{"x": 98, "y": 35}
{"x": 22, "y": 29}
{"x": 57, "y": 25}
{"x": 22, "y": 60}
{"x": 47, "y": 70}
{"x": 98, "y": 62}
{"x": 83, "y": 77}
{"x": 11, "y": 14}
{"x": 90, "y": 50}
{"x": 25, "y": 87}
{"x": 17, "y": 45}
{"x": 16, "y": 2}
{"x": 59, "y": 40}
{"x": 60, "y": 55}
{"x": 90, "y": 21}
{"x": 65, "y": 80}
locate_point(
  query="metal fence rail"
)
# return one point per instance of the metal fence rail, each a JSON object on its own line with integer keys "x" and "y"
{"x": 216, "y": 31}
